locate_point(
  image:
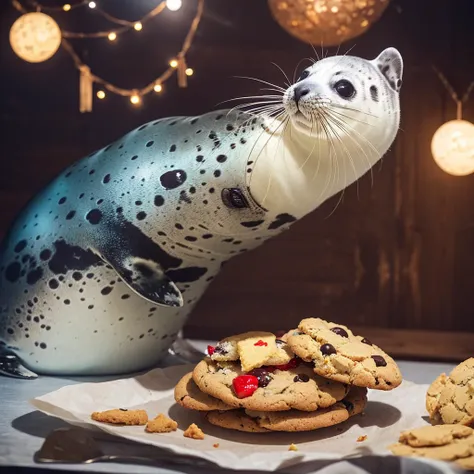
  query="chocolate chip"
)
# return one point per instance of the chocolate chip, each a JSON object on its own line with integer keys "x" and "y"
{"x": 328, "y": 349}
{"x": 220, "y": 350}
{"x": 263, "y": 376}
{"x": 340, "y": 332}
{"x": 301, "y": 378}
{"x": 379, "y": 361}
{"x": 123, "y": 409}
{"x": 366, "y": 341}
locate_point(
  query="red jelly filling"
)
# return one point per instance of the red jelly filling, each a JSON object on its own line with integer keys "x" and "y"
{"x": 210, "y": 350}
{"x": 245, "y": 385}
{"x": 261, "y": 343}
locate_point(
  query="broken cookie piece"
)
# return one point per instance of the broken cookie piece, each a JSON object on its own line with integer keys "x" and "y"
{"x": 121, "y": 416}
{"x": 161, "y": 424}
{"x": 194, "y": 432}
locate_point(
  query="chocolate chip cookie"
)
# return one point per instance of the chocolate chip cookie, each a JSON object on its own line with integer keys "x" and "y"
{"x": 188, "y": 395}
{"x": 292, "y": 420}
{"x": 340, "y": 355}
{"x": 442, "y": 442}
{"x": 450, "y": 399}
{"x": 268, "y": 388}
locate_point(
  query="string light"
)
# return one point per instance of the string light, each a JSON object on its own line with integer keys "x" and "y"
{"x": 66, "y": 7}
{"x": 88, "y": 78}
{"x": 135, "y": 99}
{"x": 101, "y": 94}
{"x": 173, "y": 5}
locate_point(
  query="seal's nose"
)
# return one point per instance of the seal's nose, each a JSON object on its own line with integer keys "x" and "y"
{"x": 300, "y": 91}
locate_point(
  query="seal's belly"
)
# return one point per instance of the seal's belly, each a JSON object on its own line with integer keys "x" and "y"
{"x": 115, "y": 332}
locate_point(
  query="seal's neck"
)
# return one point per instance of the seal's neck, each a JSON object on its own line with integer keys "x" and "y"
{"x": 295, "y": 172}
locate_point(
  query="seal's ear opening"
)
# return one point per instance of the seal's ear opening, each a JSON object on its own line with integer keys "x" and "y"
{"x": 390, "y": 63}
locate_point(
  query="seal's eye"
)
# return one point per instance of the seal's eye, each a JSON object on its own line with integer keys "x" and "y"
{"x": 304, "y": 75}
{"x": 345, "y": 89}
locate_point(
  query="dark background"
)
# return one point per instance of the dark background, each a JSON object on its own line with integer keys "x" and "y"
{"x": 396, "y": 257}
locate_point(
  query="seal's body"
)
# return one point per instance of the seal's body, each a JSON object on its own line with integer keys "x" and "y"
{"x": 101, "y": 269}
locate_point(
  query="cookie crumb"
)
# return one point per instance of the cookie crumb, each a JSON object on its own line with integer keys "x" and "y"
{"x": 361, "y": 438}
{"x": 119, "y": 416}
{"x": 194, "y": 432}
{"x": 161, "y": 424}
{"x": 216, "y": 445}
{"x": 293, "y": 447}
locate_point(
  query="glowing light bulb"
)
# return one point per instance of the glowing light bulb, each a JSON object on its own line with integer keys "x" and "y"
{"x": 174, "y": 63}
{"x": 135, "y": 99}
{"x": 158, "y": 88}
{"x": 138, "y": 26}
{"x": 100, "y": 94}
{"x": 189, "y": 72}
{"x": 452, "y": 147}
{"x": 66, "y": 7}
{"x": 173, "y": 5}
{"x": 112, "y": 36}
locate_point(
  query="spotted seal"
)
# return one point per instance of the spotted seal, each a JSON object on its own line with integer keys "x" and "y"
{"x": 101, "y": 269}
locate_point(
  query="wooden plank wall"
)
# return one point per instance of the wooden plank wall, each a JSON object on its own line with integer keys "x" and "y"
{"x": 395, "y": 254}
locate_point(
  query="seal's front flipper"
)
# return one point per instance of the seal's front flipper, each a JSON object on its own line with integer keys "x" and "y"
{"x": 148, "y": 279}
{"x": 11, "y": 366}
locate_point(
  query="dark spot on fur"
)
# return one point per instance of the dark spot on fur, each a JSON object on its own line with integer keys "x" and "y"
{"x": 77, "y": 276}
{"x": 125, "y": 297}
{"x": 281, "y": 219}
{"x": 190, "y": 238}
{"x": 67, "y": 301}
{"x": 70, "y": 215}
{"x": 159, "y": 201}
{"x": 234, "y": 198}
{"x": 62, "y": 200}
{"x": 179, "y": 226}
{"x": 172, "y": 148}
{"x": 94, "y": 216}
{"x": 45, "y": 254}
{"x": 53, "y": 283}
{"x": 187, "y": 274}
{"x": 217, "y": 173}
{"x": 221, "y": 158}
{"x": 68, "y": 257}
{"x": 106, "y": 290}
{"x": 12, "y": 272}
{"x": 141, "y": 215}
{"x": 251, "y": 224}
{"x": 149, "y": 144}
{"x": 374, "y": 93}
{"x": 106, "y": 179}
{"x": 134, "y": 157}
{"x": 91, "y": 172}
{"x": 199, "y": 158}
{"x": 173, "y": 179}
{"x": 20, "y": 246}
{"x": 34, "y": 276}
{"x": 138, "y": 203}
{"x": 229, "y": 127}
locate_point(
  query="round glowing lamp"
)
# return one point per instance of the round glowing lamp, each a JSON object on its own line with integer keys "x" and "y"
{"x": 35, "y": 37}
{"x": 452, "y": 147}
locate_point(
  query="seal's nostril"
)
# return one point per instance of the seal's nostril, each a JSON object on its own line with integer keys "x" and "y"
{"x": 300, "y": 91}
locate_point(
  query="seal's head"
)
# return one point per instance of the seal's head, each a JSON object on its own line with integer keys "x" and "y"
{"x": 348, "y": 95}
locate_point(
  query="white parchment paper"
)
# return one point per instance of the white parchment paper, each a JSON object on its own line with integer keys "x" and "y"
{"x": 386, "y": 415}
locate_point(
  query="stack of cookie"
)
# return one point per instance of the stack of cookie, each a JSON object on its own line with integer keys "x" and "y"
{"x": 312, "y": 377}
